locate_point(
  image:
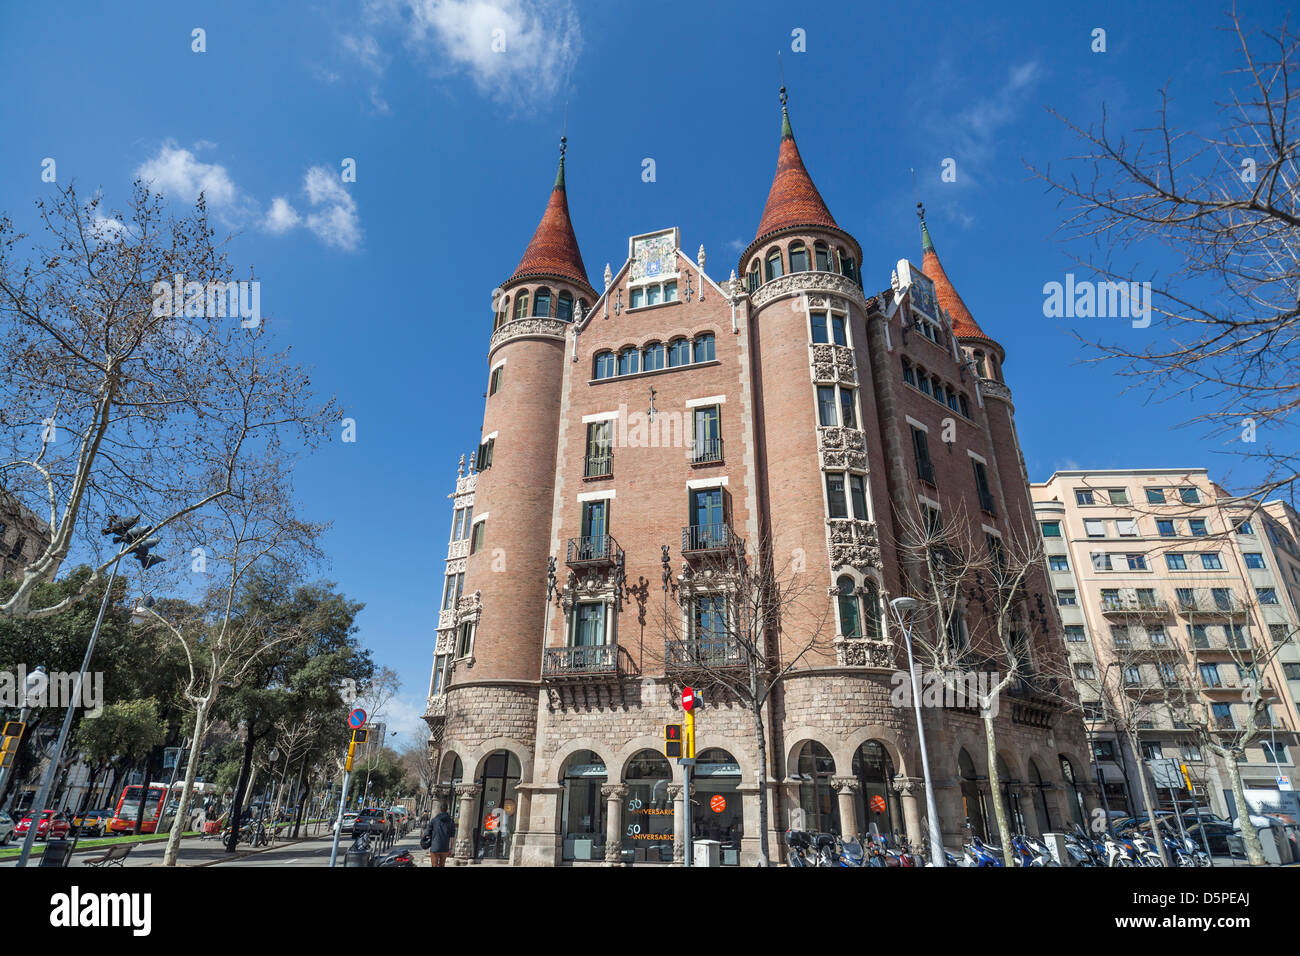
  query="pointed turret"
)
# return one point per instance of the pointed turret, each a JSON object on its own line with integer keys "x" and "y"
{"x": 793, "y": 200}
{"x": 964, "y": 325}
{"x": 553, "y": 250}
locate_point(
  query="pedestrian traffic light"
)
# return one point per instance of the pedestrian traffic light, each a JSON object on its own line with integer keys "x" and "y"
{"x": 672, "y": 740}
{"x": 124, "y": 531}
{"x": 13, "y": 734}
{"x": 359, "y": 736}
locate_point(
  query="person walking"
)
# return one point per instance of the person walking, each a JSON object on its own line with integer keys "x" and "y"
{"x": 438, "y": 836}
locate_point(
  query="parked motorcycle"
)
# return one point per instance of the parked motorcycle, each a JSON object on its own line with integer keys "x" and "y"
{"x": 978, "y": 853}
{"x": 1030, "y": 852}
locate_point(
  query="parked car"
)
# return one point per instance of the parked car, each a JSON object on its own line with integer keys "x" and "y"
{"x": 349, "y": 818}
{"x": 373, "y": 821}
{"x": 93, "y": 823}
{"x": 1216, "y": 834}
{"x": 52, "y": 824}
{"x": 6, "y": 828}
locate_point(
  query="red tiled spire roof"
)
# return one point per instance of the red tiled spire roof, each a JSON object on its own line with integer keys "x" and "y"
{"x": 793, "y": 200}
{"x": 964, "y": 325}
{"x": 553, "y": 250}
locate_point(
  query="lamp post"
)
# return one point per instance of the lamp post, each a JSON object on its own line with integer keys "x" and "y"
{"x": 901, "y": 606}
{"x": 34, "y": 679}
{"x": 141, "y": 542}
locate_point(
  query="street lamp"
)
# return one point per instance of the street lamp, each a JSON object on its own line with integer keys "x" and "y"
{"x": 908, "y": 606}
{"x": 30, "y": 685}
{"x": 124, "y": 532}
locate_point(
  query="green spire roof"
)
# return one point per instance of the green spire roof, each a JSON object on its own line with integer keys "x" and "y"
{"x": 786, "y": 131}
{"x": 926, "y": 244}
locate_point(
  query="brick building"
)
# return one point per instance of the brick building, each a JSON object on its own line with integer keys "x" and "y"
{"x": 640, "y": 441}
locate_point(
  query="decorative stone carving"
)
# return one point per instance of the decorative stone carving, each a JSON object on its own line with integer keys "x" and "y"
{"x": 991, "y": 388}
{"x": 846, "y": 784}
{"x": 908, "y": 786}
{"x": 446, "y": 619}
{"x": 593, "y": 583}
{"x": 435, "y": 706}
{"x": 446, "y": 642}
{"x": 469, "y": 608}
{"x": 842, "y": 448}
{"x": 465, "y": 486}
{"x": 801, "y": 282}
{"x": 608, "y": 790}
{"x": 458, "y": 549}
{"x": 455, "y": 565}
{"x": 863, "y": 653}
{"x": 853, "y": 543}
{"x": 535, "y": 328}
{"x": 834, "y": 363}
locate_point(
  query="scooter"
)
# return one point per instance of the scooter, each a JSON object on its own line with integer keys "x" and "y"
{"x": 980, "y": 854}
{"x": 1030, "y": 852}
{"x": 1147, "y": 855}
{"x": 398, "y": 857}
{"x": 799, "y": 850}
{"x": 1117, "y": 854}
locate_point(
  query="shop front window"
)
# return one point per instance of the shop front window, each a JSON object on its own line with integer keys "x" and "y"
{"x": 584, "y": 810}
{"x": 451, "y": 776}
{"x": 498, "y": 806}
{"x": 972, "y": 798}
{"x": 716, "y": 813}
{"x": 817, "y": 798}
{"x": 648, "y": 812}
{"x": 1039, "y": 790}
{"x": 877, "y": 802}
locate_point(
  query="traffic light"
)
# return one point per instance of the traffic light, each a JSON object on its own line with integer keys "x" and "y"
{"x": 13, "y": 734}
{"x": 359, "y": 736}
{"x": 124, "y": 531}
{"x": 672, "y": 740}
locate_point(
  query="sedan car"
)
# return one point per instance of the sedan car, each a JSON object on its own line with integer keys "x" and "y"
{"x": 92, "y": 823}
{"x": 51, "y": 824}
{"x": 349, "y": 818}
{"x": 373, "y": 821}
{"x": 6, "y": 828}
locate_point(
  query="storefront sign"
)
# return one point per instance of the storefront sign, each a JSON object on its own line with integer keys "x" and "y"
{"x": 717, "y": 770}
{"x": 877, "y": 803}
{"x": 587, "y": 770}
{"x": 717, "y": 804}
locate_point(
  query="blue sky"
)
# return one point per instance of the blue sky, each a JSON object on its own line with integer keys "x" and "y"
{"x": 383, "y": 285}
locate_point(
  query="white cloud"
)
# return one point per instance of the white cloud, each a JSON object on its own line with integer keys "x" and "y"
{"x": 178, "y": 174}
{"x": 366, "y": 49}
{"x": 281, "y": 217}
{"x": 337, "y": 224}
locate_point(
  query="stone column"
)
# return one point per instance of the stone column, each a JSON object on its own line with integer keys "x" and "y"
{"x": 679, "y": 823}
{"x": 441, "y": 799}
{"x": 613, "y": 794}
{"x": 541, "y": 844}
{"x": 910, "y": 793}
{"x": 468, "y": 818}
{"x": 847, "y": 788}
{"x": 750, "y": 842}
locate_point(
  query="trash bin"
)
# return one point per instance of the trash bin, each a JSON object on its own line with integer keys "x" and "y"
{"x": 707, "y": 853}
{"x": 357, "y": 858}
{"x": 57, "y": 853}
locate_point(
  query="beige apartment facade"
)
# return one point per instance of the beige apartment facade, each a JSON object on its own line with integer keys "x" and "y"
{"x": 1166, "y": 584}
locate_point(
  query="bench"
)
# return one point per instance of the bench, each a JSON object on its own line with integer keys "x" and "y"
{"x": 114, "y": 857}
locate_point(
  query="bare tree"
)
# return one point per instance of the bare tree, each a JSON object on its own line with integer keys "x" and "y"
{"x": 130, "y": 379}
{"x": 1225, "y": 207}
{"x": 737, "y": 630}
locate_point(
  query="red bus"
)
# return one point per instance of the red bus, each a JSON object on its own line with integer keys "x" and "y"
{"x": 128, "y": 805}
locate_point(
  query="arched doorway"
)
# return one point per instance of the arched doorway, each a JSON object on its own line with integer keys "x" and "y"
{"x": 583, "y": 820}
{"x": 815, "y": 768}
{"x": 1010, "y": 797}
{"x": 877, "y": 802}
{"x": 453, "y": 773}
{"x": 498, "y": 806}
{"x": 716, "y": 813}
{"x": 1039, "y": 788}
{"x": 648, "y": 812}
{"x": 1077, "y": 808}
{"x": 972, "y": 800}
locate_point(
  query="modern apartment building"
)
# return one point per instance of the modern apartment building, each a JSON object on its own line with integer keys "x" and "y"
{"x": 1173, "y": 585}
{"x": 639, "y": 445}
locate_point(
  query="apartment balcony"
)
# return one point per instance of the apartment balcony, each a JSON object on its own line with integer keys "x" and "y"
{"x": 1129, "y": 607}
{"x": 698, "y": 539}
{"x": 705, "y": 653}
{"x": 707, "y": 451}
{"x": 1221, "y": 650}
{"x": 1209, "y": 606}
{"x": 595, "y": 467}
{"x": 591, "y": 662}
{"x": 597, "y": 550}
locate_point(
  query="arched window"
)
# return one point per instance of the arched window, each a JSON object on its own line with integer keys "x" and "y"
{"x": 498, "y": 806}
{"x": 871, "y": 611}
{"x": 1010, "y": 798}
{"x": 798, "y": 257}
{"x": 821, "y": 809}
{"x": 773, "y": 265}
{"x": 716, "y": 786}
{"x": 951, "y": 396}
{"x": 521, "y": 305}
{"x": 565, "y": 310}
{"x": 583, "y": 822}
{"x": 605, "y": 365}
{"x": 753, "y": 276}
{"x": 971, "y": 798}
{"x": 648, "y": 809}
{"x": 937, "y": 386}
{"x": 542, "y": 303}
{"x": 654, "y": 355}
{"x": 1077, "y": 808}
{"x": 922, "y": 380}
{"x": 980, "y": 366}
{"x": 908, "y": 375}
{"x": 1039, "y": 794}
{"x": 679, "y": 353}
{"x": 850, "y": 621}
{"x": 877, "y": 801}
{"x": 848, "y": 267}
{"x": 822, "y": 255}
{"x": 629, "y": 361}
{"x": 704, "y": 348}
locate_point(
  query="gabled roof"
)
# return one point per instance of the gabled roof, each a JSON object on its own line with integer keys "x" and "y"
{"x": 793, "y": 200}
{"x": 553, "y": 250}
{"x": 964, "y": 325}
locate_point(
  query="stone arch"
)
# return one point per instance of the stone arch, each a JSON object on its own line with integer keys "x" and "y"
{"x": 633, "y": 747}
{"x": 802, "y": 735}
{"x": 748, "y": 770}
{"x": 522, "y": 753}
{"x": 599, "y": 748}
{"x": 450, "y": 754}
{"x": 891, "y": 740}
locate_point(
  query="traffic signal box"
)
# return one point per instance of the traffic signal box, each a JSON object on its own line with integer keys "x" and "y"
{"x": 673, "y": 740}
{"x": 358, "y": 737}
{"x": 13, "y": 733}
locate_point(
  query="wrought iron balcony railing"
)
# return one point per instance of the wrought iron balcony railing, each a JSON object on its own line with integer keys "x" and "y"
{"x": 709, "y": 537}
{"x": 598, "y": 466}
{"x": 706, "y": 451}
{"x": 707, "y": 652}
{"x": 1152, "y": 606}
{"x": 593, "y": 549}
{"x": 590, "y": 660}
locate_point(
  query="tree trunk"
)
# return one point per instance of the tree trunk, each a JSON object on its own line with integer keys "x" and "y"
{"x": 995, "y": 788}
{"x": 237, "y": 805}
{"x": 144, "y": 795}
{"x": 1151, "y": 813}
{"x": 187, "y": 789}
{"x": 1254, "y": 851}
{"x": 301, "y": 797}
{"x": 764, "y": 853}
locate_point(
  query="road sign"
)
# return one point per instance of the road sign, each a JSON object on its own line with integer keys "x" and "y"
{"x": 717, "y": 803}
{"x": 357, "y": 718}
{"x": 673, "y": 740}
{"x": 1284, "y": 782}
{"x": 877, "y": 803}
{"x": 688, "y": 699}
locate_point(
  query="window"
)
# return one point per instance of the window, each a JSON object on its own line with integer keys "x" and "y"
{"x": 542, "y": 303}
{"x": 1067, "y": 598}
{"x": 588, "y": 625}
{"x": 1118, "y": 496}
{"x": 653, "y": 358}
{"x": 1156, "y": 636}
{"x": 799, "y": 257}
{"x": 1254, "y": 559}
{"x": 1074, "y": 633}
{"x": 670, "y": 291}
{"x": 1110, "y": 597}
{"x": 1190, "y": 752}
{"x": 1278, "y": 633}
{"x": 483, "y": 461}
{"x": 772, "y": 268}
{"x": 1119, "y": 637}
{"x": 1152, "y": 750}
{"x": 1244, "y": 527}
{"x": 704, "y": 348}
{"x": 921, "y": 454}
{"x": 451, "y": 590}
{"x": 440, "y": 663}
{"x": 1176, "y": 562}
{"x": 1104, "y": 749}
{"x": 606, "y": 365}
{"x": 965, "y": 406}
{"x": 494, "y": 383}
{"x": 595, "y": 528}
{"x": 982, "y": 487}
{"x": 710, "y": 622}
{"x": 1274, "y": 752}
{"x": 1222, "y": 598}
{"x": 820, "y": 331}
{"x": 1222, "y": 715}
{"x": 1210, "y": 561}
{"x": 1155, "y": 496}
{"x": 822, "y": 257}
{"x": 708, "y": 434}
{"x": 1199, "y": 635}
{"x": 469, "y": 513}
{"x": 599, "y": 457}
{"x": 1101, "y": 562}
{"x": 1165, "y": 527}
{"x": 1084, "y": 498}
{"x": 1133, "y": 676}
{"x": 1266, "y": 595}
{"x": 1210, "y": 675}
{"x": 838, "y": 330}
{"x": 1051, "y": 529}
{"x": 835, "y": 499}
{"x": 848, "y": 267}
{"x": 636, "y": 298}
{"x": 476, "y": 538}
{"x": 1137, "y": 562}
{"x": 908, "y": 375}
{"x": 1189, "y": 496}
{"x": 922, "y": 381}
{"x": 753, "y": 277}
{"x": 937, "y": 386}
{"x": 1085, "y": 672}
{"x": 826, "y": 405}
{"x": 1197, "y": 527}
{"x": 950, "y": 397}
{"x": 1127, "y": 527}
{"x": 465, "y": 640}
{"x": 933, "y": 518}
{"x": 564, "y": 312}
{"x": 1094, "y": 527}
{"x": 1292, "y": 671}
{"x": 456, "y": 522}
{"x": 629, "y": 362}
{"x": 1059, "y": 562}
{"x": 521, "y": 305}
{"x": 847, "y": 417}
{"x": 679, "y": 353}
{"x": 858, "y": 492}
{"x": 850, "y": 622}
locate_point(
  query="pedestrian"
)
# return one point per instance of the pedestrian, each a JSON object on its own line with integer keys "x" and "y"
{"x": 438, "y": 836}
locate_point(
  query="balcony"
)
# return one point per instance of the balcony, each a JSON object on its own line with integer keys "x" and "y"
{"x": 1206, "y": 605}
{"x": 1149, "y": 607}
{"x": 713, "y": 652}
{"x": 707, "y": 451}
{"x": 598, "y": 550}
{"x": 704, "y": 538}
{"x": 579, "y": 663}
{"x": 598, "y": 466}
